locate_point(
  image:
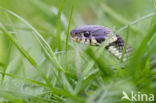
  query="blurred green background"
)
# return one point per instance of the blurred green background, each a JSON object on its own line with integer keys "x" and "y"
{"x": 43, "y": 15}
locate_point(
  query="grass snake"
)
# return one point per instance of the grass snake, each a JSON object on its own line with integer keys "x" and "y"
{"x": 95, "y": 35}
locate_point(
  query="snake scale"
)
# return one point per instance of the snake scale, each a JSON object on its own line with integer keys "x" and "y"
{"x": 95, "y": 35}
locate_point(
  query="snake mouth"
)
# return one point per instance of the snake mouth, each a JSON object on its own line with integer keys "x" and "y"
{"x": 84, "y": 40}
{"x": 78, "y": 39}
{"x": 74, "y": 36}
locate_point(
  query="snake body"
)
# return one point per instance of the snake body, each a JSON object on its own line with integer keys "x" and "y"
{"x": 95, "y": 35}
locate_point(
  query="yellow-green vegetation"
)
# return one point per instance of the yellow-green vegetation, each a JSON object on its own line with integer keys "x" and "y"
{"x": 2, "y": 49}
{"x": 39, "y": 63}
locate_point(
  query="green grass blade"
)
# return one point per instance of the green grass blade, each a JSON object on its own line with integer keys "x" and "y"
{"x": 154, "y": 4}
{"x": 7, "y": 62}
{"x": 9, "y": 50}
{"x": 85, "y": 78}
{"x": 67, "y": 36}
{"x": 10, "y": 97}
{"x": 24, "y": 79}
{"x": 19, "y": 97}
{"x": 136, "y": 21}
{"x": 106, "y": 72}
{"x": 58, "y": 25}
{"x": 125, "y": 46}
{"x": 66, "y": 83}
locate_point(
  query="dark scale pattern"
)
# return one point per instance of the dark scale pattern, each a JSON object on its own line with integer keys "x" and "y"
{"x": 100, "y": 40}
{"x": 119, "y": 44}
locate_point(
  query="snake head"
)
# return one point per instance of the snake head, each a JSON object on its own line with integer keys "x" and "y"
{"x": 90, "y": 34}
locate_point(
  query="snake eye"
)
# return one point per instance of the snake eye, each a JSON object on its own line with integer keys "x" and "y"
{"x": 86, "y": 34}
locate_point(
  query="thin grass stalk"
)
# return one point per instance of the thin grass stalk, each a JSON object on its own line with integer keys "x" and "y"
{"x": 67, "y": 37}
{"x": 125, "y": 46}
{"x": 154, "y": 4}
{"x": 58, "y": 24}
{"x": 7, "y": 62}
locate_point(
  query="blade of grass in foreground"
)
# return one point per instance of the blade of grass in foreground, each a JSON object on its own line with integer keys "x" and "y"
{"x": 154, "y": 4}
{"x": 58, "y": 25}
{"x": 20, "y": 97}
{"x": 66, "y": 82}
{"x": 136, "y": 21}
{"x": 7, "y": 62}
{"x": 86, "y": 79}
{"x": 106, "y": 72}
{"x": 125, "y": 46}
{"x": 67, "y": 37}
{"x": 9, "y": 50}
{"x": 24, "y": 79}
